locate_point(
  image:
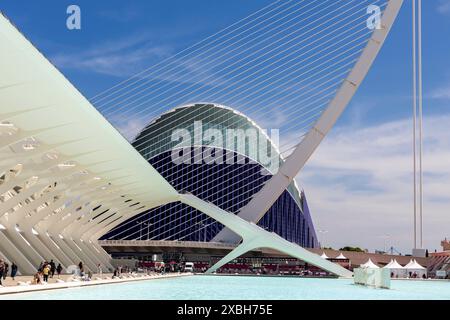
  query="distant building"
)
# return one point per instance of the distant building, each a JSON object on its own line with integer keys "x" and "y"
{"x": 445, "y": 245}
{"x": 439, "y": 262}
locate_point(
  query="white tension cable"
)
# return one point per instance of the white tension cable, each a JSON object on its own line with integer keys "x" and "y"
{"x": 251, "y": 88}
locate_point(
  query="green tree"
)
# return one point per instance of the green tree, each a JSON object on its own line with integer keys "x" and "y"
{"x": 355, "y": 249}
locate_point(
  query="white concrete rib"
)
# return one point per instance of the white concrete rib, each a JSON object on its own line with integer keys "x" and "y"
{"x": 72, "y": 160}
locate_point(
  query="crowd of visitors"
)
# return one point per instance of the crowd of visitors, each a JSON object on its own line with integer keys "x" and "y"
{"x": 50, "y": 269}
{"x": 119, "y": 270}
{"x": 45, "y": 271}
{"x": 4, "y": 268}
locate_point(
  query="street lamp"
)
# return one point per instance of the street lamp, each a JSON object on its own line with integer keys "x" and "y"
{"x": 386, "y": 237}
{"x": 201, "y": 224}
{"x": 148, "y": 224}
{"x": 145, "y": 224}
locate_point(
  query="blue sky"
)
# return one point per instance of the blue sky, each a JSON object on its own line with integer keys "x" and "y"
{"x": 137, "y": 25}
{"x": 145, "y": 32}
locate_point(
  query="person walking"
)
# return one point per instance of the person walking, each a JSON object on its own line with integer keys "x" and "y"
{"x": 46, "y": 272}
{"x": 41, "y": 266}
{"x": 99, "y": 269}
{"x": 59, "y": 269}
{"x": 2, "y": 269}
{"x": 52, "y": 268}
{"x": 5, "y": 271}
{"x": 80, "y": 266}
{"x": 13, "y": 270}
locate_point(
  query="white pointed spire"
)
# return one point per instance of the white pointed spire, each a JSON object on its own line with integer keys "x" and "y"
{"x": 324, "y": 255}
{"x": 369, "y": 265}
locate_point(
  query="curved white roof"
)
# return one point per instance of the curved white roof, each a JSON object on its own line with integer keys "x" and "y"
{"x": 86, "y": 178}
{"x": 293, "y": 188}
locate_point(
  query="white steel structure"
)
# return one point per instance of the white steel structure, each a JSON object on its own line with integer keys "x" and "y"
{"x": 68, "y": 177}
{"x": 265, "y": 198}
{"x": 254, "y": 237}
{"x": 59, "y": 161}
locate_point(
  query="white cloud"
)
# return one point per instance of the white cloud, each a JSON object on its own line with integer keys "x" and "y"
{"x": 359, "y": 185}
{"x": 444, "y": 6}
{"x": 121, "y": 57}
{"x": 136, "y": 55}
{"x": 129, "y": 127}
{"x": 441, "y": 93}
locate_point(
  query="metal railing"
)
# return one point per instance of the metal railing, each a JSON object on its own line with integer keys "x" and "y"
{"x": 164, "y": 243}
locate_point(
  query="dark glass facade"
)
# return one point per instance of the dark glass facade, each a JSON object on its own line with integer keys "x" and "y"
{"x": 229, "y": 186}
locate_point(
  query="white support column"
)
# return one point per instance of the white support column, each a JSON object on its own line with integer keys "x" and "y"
{"x": 68, "y": 242}
{"x": 92, "y": 255}
{"x": 81, "y": 233}
{"x": 73, "y": 256}
{"x": 23, "y": 246}
{"x": 80, "y": 253}
{"x": 97, "y": 197}
{"x": 14, "y": 254}
{"x": 100, "y": 254}
{"x": 108, "y": 201}
{"x": 104, "y": 255}
{"x": 98, "y": 230}
{"x": 51, "y": 224}
{"x": 86, "y": 193}
{"x": 40, "y": 247}
{"x": 58, "y": 253}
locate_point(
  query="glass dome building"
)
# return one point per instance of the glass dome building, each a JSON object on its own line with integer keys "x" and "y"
{"x": 223, "y": 157}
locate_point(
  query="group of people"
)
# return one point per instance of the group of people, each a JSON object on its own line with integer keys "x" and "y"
{"x": 4, "y": 268}
{"x": 119, "y": 270}
{"x": 47, "y": 270}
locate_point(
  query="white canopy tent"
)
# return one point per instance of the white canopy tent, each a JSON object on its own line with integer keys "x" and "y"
{"x": 397, "y": 270}
{"x": 415, "y": 270}
{"x": 324, "y": 256}
{"x": 341, "y": 257}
